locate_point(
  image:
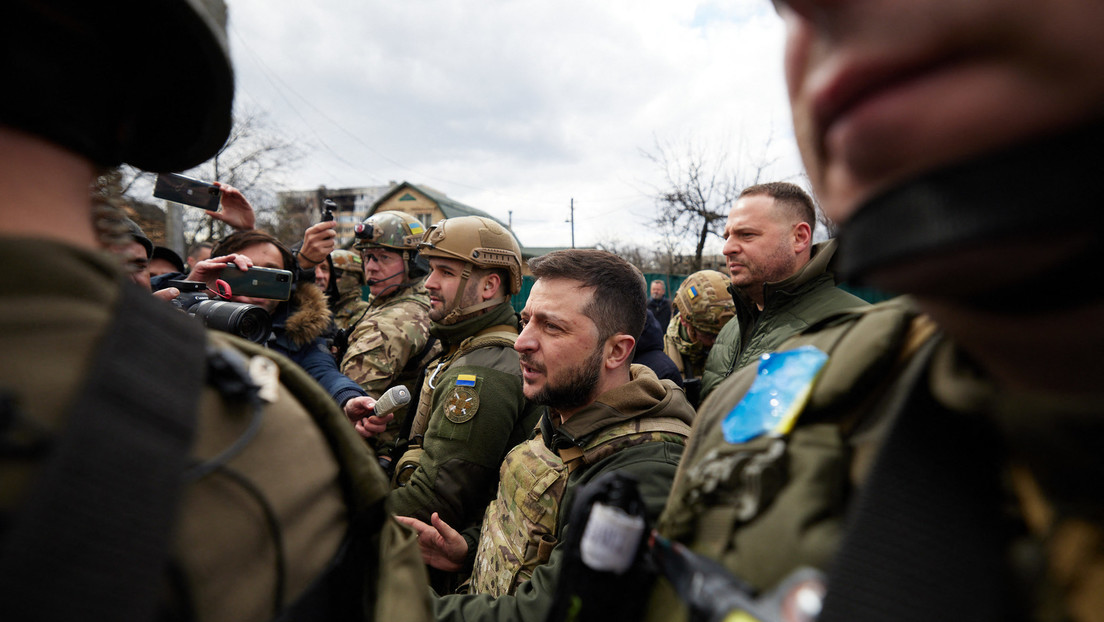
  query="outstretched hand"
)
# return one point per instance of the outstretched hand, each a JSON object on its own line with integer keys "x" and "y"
{"x": 442, "y": 546}
{"x": 236, "y": 210}
{"x": 360, "y": 411}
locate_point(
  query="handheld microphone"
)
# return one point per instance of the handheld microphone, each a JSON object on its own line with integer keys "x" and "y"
{"x": 391, "y": 400}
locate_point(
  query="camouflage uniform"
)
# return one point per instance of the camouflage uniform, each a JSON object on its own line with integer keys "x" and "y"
{"x": 384, "y": 346}
{"x": 520, "y": 568}
{"x": 349, "y": 279}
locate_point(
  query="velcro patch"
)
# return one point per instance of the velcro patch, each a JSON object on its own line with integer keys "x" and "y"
{"x": 462, "y": 403}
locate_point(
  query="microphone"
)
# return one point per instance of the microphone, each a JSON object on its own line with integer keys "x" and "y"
{"x": 391, "y": 400}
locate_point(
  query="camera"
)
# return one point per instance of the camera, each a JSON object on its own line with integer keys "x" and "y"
{"x": 328, "y": 207}
{"x": 237, "y": 318}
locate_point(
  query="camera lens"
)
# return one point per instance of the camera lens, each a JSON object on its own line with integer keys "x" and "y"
{"x": 244, "y": 320}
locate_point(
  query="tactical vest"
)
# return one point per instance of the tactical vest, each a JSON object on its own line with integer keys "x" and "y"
{"x": 520, "y": 526}
{"x": 502, "y": 336}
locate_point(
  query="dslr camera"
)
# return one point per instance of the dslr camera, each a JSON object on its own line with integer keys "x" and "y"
{"x": 237, "y": 318}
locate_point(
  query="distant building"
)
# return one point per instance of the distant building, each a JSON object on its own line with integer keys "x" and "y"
{"x": 353, "y": 206}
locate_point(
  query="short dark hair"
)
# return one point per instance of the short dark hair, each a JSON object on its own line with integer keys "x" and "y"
{"x": 244, "y": 239}
{"x": 618, "y": 302}
{"x": 796, "y": 201}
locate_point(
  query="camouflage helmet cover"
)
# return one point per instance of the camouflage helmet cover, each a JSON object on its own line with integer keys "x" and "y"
{"x": 394, "y": 230}
{"x": 479, "y": 241}
{"x": 704, "y": 302}
{"x": 348, "y": 261}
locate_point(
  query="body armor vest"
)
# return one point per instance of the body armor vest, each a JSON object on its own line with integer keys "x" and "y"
{"x": 520, "y": 526}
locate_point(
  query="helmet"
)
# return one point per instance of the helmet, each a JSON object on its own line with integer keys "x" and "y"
{"x": 74, "y": 106}
{"x": 479, "y": 243}
{"x": 703, "y": 301}
{"x": 394, "y": 231}
{"x": 347, "y": 260}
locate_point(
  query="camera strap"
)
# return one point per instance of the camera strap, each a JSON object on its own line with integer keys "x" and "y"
{"x": 91, "y": 542}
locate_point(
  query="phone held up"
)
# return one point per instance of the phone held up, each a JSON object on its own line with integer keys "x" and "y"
{"x": 188, "y": 191}
{"x": 258, "y": 282}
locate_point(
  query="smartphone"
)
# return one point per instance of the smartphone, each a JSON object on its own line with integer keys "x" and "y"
{"x": 258, "y": 282}
{"x": 188, "y": 191}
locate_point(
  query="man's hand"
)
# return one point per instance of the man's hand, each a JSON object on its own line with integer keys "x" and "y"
{"x": 209, "y": 270}
{"x": 236, "y": 210}
{"x": 318, "y": 242}
{"x": 166, "y": 294}
{"x": 359, "y": 410}
{"x": 442, "y": 546}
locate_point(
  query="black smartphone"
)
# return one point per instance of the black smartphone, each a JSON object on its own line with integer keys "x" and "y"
{"x": 188, "y": 191}
{"x": 258, "y": 282}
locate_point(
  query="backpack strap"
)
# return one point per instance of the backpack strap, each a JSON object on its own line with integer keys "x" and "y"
{"x": 91, "y": 542}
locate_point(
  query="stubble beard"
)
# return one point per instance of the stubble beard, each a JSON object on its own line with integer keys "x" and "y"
{"x": 577, "y": 389}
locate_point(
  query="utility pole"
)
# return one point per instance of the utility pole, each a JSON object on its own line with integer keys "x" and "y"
{"x": 572, "y": 221}
{"x": 510, "y": 220}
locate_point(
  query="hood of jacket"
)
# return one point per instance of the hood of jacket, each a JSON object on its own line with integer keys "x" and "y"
{"x": 305, "y": 317}
{"x": 643, "y": 396}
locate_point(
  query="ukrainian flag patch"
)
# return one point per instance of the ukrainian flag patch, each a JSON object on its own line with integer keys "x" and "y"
{"x": 465, "y": 380}
{"x": 416, "y": 228}
{"x": 693, "y": 292}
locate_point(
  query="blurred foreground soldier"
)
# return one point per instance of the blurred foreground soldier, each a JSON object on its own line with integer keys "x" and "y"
{"x": 703, "y": 306}
{"x": 602, "y": 415}
{"x": 141, "y": 466}
{"x": 780, "y": 280}
{"x": 953, "y": 141}
{"x": 390, "y": 344}
{"x": 471, "y": 410}
{"x": 348, "y": 275}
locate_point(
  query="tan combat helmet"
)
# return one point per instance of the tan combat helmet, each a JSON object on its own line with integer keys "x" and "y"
{"x": 704, "y": 303}
{"x": 479, "y": 243}
{"x": 348, "y": 261}
{"x": 394, "y": 231}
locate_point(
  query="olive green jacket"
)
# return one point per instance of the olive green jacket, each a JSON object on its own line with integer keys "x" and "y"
{"x": 789, "y": 306}
{"x": 652, "y": 464}
{"x": 458, "y": 471}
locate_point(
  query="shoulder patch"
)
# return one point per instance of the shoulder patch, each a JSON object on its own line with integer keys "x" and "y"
{"x": 463, "y": 401}
{"x": 783, "y": 383}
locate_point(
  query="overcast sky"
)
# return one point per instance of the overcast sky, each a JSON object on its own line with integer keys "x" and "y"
{"x": 517, "y": 105}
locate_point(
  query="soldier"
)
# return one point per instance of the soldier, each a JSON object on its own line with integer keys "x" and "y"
{"x": 142, "y": 468}
{"x": 703, "y": 307}
{"x": 602, "y": 415}
{"x": 348, "y": 273}
{"x": 390, "y": 344}
{"x": 947, "y": 469}
{"x": 471, "y": 410}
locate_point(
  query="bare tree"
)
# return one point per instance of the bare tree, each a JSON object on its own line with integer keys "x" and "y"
{"x": 696, "y": 193}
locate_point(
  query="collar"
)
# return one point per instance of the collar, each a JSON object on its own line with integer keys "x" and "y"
{"x": 819, "y": 264}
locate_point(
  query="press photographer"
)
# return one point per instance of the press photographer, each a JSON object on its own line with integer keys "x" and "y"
{"x": 298, "y": 323}
{"x": 237, "y": 318}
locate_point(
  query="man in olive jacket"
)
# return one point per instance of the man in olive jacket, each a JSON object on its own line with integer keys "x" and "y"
{"x": 780, "y": 280}
{"x": 602, "y": 414}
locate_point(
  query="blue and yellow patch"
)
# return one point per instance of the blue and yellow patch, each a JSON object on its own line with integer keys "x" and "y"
{"x": 465, "y": 380}
{"x": 783, "y": 383}
{"x": 692, "y": 292}
{"x": 416, "y": 228}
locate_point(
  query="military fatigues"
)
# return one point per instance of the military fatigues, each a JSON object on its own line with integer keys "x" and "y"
{"x": 55, "y": 304}
{"x": 789, "y": 306}
{"x": 470, "y": 413}
{"x": 689, "y": 356}
{"x": 349, "y": 308}
{"x": 385, "y": 347}
{"x": 637, "y": 429}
